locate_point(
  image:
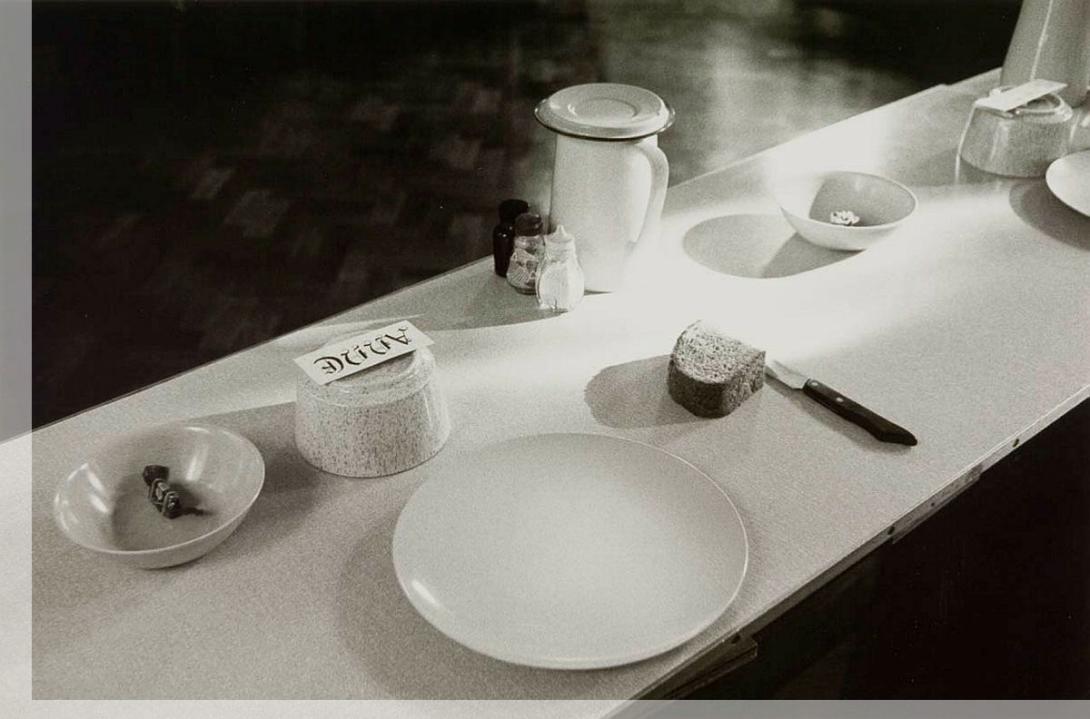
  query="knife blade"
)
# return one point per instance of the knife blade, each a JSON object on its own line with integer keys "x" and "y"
{"x": 849, "y": 409}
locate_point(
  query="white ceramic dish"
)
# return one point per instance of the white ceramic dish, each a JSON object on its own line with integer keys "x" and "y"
{"x": 103, "y": 504}
{"x": 881, "y": 203}
{"x": 570, "y": 551}
{"x": 1069, "y": 180}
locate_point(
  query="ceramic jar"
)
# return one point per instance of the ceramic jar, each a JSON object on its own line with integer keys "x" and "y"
{"x": 1019, "y": 143}
{"x": 380, "y": 421}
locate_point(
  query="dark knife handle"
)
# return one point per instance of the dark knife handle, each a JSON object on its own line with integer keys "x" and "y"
{"x": 856, "y": 413}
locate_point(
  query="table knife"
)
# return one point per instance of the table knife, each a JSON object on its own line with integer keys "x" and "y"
{"x": 850, "y": 410}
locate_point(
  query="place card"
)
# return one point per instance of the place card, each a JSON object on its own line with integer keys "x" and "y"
{"x": 1019, "y": 95}
{"x": 362, "y": 351}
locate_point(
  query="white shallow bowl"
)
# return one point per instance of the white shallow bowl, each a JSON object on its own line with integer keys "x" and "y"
{"x": 881, "y": 204}
{"x": 103, "y": 505}
{"x": 570, "y": 551}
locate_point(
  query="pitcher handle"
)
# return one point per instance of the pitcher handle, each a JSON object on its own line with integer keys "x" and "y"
{"x": 660, "y": 175}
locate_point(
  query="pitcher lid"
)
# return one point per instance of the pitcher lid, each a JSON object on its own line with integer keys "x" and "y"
{"x": 605, "y": 111}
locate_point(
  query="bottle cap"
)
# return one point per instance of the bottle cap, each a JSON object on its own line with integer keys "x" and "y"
{"x": 560, "y": 239}
{"x": 528, "y": 223}
{"x": 510, "y": 209}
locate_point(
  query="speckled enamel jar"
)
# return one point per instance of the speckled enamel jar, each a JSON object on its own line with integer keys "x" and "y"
{"x": 377, "y": 422}
{"x": 1019, "y": 143}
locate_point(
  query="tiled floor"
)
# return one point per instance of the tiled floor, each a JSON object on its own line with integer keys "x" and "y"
{"x": 210, "y": 176}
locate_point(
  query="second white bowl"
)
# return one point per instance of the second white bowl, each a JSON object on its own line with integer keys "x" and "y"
{"x": 808, "y": 201}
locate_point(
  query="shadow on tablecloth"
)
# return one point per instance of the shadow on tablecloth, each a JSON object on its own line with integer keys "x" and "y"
{"x": 634, "y": 394}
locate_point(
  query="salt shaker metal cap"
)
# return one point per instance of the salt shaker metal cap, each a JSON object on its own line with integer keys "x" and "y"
{"x": 528, "y": 223}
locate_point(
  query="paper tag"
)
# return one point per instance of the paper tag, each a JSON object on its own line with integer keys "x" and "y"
{"x": 362, "y": 351}
{"x": 1020, "y": 95}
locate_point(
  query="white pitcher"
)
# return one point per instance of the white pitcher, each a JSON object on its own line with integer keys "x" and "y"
{"x": 609, "y": 177}
{"x": 1052, "y": 41}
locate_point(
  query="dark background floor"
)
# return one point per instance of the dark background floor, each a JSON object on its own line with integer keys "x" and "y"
{"x": 211, "y": 175}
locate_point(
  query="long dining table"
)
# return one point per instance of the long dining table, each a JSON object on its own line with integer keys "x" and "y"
{"x": 968, "y": 325}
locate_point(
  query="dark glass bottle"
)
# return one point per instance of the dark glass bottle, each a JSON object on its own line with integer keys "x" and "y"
{"x": 503, "y": 234}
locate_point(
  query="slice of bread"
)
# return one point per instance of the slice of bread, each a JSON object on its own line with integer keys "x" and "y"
{"x": 711, "y": 374}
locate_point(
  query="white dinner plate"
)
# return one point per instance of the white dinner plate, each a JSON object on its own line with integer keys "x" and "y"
{"x": 1069, "y": 180}
{"x": 570, "y": 551}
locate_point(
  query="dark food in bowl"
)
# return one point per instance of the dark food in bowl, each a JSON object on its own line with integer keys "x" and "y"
{"x": 168, "y": 500}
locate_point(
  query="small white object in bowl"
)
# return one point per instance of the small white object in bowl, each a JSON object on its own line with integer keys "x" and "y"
{"x": 809, "y": 202}
{"x": 103, "y": 504}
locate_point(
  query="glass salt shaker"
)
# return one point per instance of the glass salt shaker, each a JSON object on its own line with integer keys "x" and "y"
{"x": 526, "y": 256}
{"x": 560, "y": 278}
